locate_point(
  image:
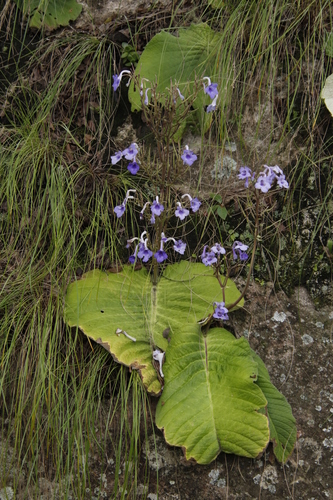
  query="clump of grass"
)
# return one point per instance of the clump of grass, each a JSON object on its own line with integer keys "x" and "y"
{"x": 56, "y": 220}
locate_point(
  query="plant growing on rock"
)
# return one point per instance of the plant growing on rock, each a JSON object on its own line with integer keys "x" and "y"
{"x": 167, "y": 321}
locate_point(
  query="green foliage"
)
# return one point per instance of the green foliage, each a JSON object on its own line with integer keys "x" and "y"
{"x": 129, "y": 55}
{"x": 330, "y": 246}
{"x": 219, "y": 209}
{"x": 182, "y": 60}
{"x": 329, "y": 44}
{"x": 49, "y": 14}
{"x": 210, "y": 401}
{"x": 282, "y": 425}
{"x": 217, "y": 393}
{"x": 102, "y": 303}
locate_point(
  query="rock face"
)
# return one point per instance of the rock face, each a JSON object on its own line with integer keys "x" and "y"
{"x": 104, "y": 11}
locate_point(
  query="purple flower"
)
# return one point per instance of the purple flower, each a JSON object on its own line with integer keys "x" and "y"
{"x": 218, "y": 249}
{"x": 156, "y": 207}
{"x": 131, "y": 152}
{"x": 211, "y": 90}
{"x": 179, "y": 246}
{"x": 133, "y": 167}
{"x": 152, "y": 219}
{"x": 212, "y": 106}
{"x": 220, "y": 312}
{"x": 282, "y": 182}
{"x": 263, "y": 183}
{"x": 141, "y": 250}
{"x": 117, "y": 78}
{"x": 276, "y": 169}
{"x": 188, "y": 156}
{"x": 145, "y": 254}
{"x": 268, "y": 176}
{"x": 208, "y": 258}
{"x": 239, "y": 250}
{"x": 247, "y": 174}
{"x": 244, "y": 173}
{"x": 160, "y": 256}
{"x": 132, "y": 258}
{"x": 195, "y": 204}
{"x": 116, "y": 82}
{"x": 181, "y": 212}
{"x": 116, "y": 157}
{"x": 141, "y": 247}
{"x": 119, "y": 210}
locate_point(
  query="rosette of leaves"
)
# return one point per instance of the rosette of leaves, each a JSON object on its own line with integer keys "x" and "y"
{"x": 183, "y": 59}
{"x": 49, "y": 14}
{"x": 217, "y": 394}
{"x": 129, "y": 55}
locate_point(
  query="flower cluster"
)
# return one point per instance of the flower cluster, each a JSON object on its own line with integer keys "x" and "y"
{"x": 210, "y": 257}
{"x": 143, "y": 252}
{"x": 211, "y": 90}
{"x": 157, "y": 208}
{"x": 265, "y": 179}
{"x": 129, "y": 154}
{"x": 220, "y": 312}
{"x": 182, "y": 212}
{"x": 239, "y": 250}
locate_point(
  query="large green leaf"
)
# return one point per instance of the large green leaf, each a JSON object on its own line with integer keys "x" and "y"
{"x": 178, "y": 59}
{"x": 210, "y": 401}
{"x": 49, "y": 13}
{"x": 212, "y": 395}
{"x": 282, "y": 424}
{"x": 101, "y": 303}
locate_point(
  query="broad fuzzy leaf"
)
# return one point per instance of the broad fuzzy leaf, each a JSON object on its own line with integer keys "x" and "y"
{"x": 49, "y": 13}
{"x": 215, "y": 388}
{"x": 178, "y": 59}
{"x": 282, "y": 424}
{"x": 100, "y": 303}
{"x": 210, "y": 402}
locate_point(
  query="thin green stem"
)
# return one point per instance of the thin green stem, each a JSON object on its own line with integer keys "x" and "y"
{"x": 255, "y": 239}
